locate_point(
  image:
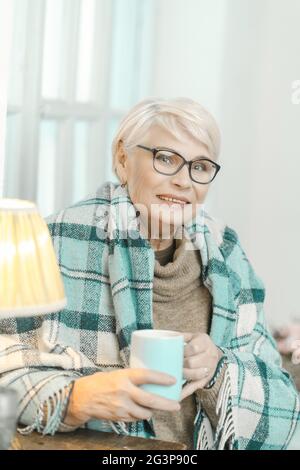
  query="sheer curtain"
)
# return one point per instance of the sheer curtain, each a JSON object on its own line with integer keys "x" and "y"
{"x": 5, "y": 41}
{"x": 76, "y": 67}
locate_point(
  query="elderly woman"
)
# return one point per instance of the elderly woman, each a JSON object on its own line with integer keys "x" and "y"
{"x": 144, "y": 254}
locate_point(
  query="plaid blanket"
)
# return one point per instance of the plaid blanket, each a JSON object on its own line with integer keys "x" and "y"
{"x": 108, "y": 282}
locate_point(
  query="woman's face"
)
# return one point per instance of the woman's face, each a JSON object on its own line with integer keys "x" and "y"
{"x": 145, "y": 185}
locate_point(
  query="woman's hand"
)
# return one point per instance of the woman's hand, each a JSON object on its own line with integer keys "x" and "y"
{"x": 201, "y": 357}
{"x": 116, "y": 396}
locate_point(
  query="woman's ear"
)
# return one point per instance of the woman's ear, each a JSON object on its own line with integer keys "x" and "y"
{"x": 121, "y": 162}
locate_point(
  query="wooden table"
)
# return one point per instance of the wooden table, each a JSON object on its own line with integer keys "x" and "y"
{"x": 85, "y": 439}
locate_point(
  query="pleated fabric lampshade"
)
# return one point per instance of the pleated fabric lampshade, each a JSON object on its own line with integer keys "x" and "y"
{"x": 30, "y": 281}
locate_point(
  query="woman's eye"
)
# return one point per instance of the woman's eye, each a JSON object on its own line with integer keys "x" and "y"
{"x": 199, "y": 167}
{"x": 164, "y": 158}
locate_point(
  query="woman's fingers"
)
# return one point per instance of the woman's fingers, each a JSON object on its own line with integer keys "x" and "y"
{"x": 196, "y": 374}
{"x": 190, "y": 388}
{"x": 148, "y": 376}
{"x": 196, "y": 345}
{"x": 188, "y": 336}
{"x": 127, "y": 411}
{"x": 196, "y": 361}
{"x": 139, "y": 413}
{"x": 153, "y": 401}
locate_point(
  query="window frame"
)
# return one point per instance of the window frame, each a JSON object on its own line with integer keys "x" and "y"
{"x": 67, "y": 111}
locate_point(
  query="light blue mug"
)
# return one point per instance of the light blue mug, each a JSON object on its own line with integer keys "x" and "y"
{"x": 163, "y": 351}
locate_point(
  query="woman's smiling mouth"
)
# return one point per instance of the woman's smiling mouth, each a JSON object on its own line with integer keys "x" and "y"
{"x": 172, "y": 199}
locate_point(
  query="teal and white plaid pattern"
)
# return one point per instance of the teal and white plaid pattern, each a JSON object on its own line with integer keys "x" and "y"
{"x": 108, "y": 283}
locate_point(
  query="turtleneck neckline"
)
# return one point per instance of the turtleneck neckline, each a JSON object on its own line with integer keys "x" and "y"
{"x": 165, "y": 256}
{"x": 180, "y": 275}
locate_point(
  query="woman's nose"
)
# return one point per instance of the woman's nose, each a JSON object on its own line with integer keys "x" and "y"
{"x": 182, "y": 178}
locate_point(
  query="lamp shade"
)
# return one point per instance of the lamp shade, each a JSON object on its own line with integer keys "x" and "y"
{"x": 30, "y": 281}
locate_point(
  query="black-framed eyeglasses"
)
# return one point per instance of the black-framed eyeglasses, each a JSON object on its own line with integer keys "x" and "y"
{"x": 167, "y": 161}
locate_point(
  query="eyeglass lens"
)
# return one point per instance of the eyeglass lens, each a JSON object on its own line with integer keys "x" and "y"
{"x": 168, "y": 163}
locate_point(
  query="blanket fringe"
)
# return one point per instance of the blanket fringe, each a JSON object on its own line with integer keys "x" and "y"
{"x": 224, "y": 435}
{"x": 225, "y": 432}
{"x": 49, "y": 422}
{"x": 119, "y": 427}
{"x": 205, "y": 437}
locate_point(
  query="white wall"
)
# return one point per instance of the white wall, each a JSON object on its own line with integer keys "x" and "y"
{"x": 256, "y": 103}
{"x": 5, "y": 42}
{"x": 239, "y": 58}
{"x": 189, "y": 51}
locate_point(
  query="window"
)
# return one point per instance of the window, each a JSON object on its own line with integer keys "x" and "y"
{"x": 77, "y": 66}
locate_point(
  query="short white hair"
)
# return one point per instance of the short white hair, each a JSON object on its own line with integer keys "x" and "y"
{"x": 175, "y": 115}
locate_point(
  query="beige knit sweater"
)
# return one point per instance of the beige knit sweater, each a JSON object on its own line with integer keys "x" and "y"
{"x": 182, "y": 303}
